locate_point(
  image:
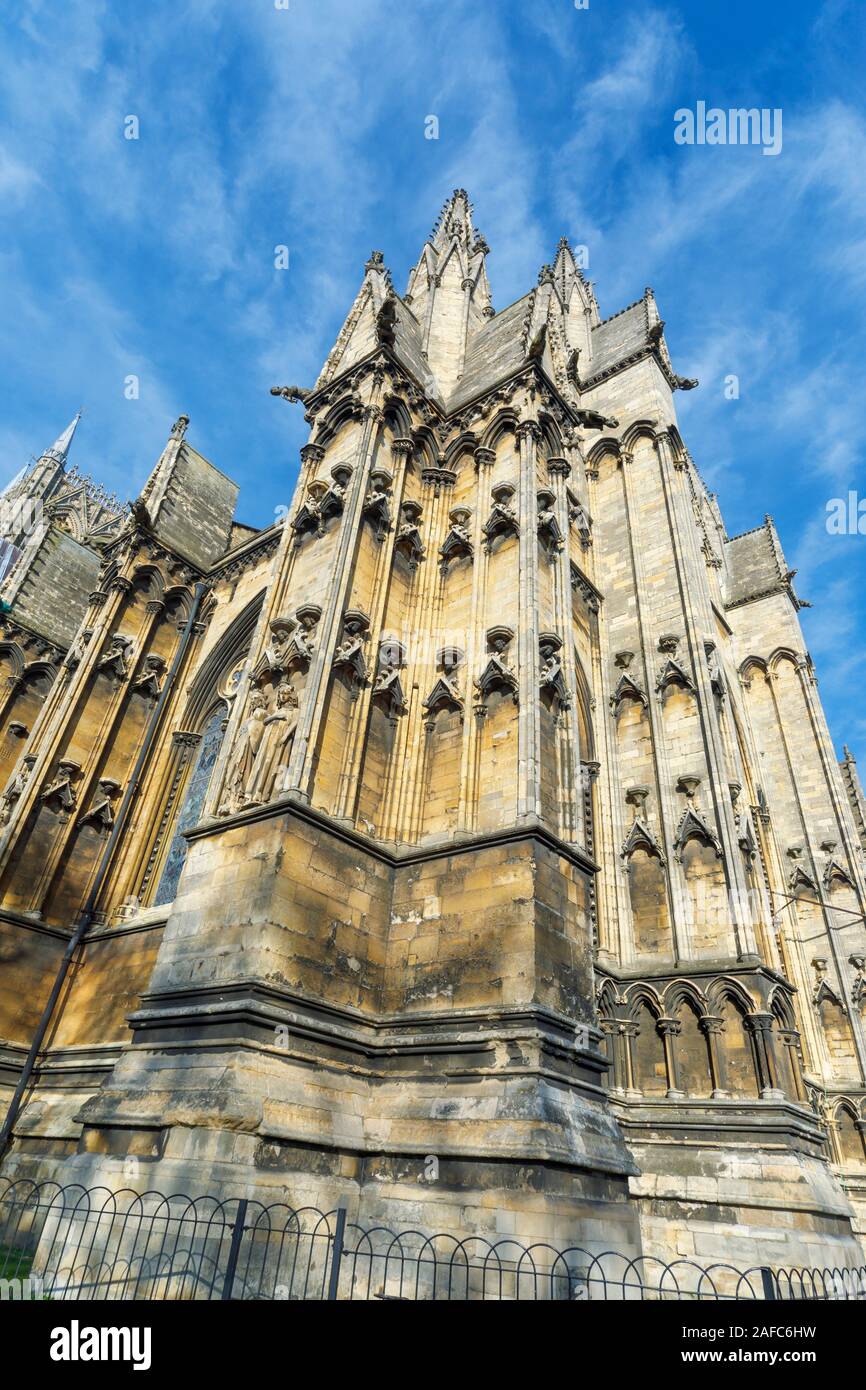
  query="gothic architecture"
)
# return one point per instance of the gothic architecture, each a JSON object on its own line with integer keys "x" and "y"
{"x": 470, "y": 845}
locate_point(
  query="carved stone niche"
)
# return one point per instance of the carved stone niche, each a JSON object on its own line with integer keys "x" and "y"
{"x": 551, "y": 680}
{"x": 116, "y": 659}
{"x": 77, "y": 650}
{"x": 548, "y": 527}
{"x": 498, "y": 673}
{"x": 308, "y": 518}
{"x": 579, "y": 517}
{"x": 349, "y": 661}
{"x": 408, "y": 540}
{"x": 388, "y": 692}
{"x": 376, "y": 508}
{"x": 672, "y": 672}
{"x": 274, "y": 655}
{"x": 60, "y": 795}
{"x": 101, "y": 813}
{"x": 502, "y": 520}
{"x": 149, "y": 682}
{"x": 300, "y": 650}
{"x": 458, "y": 543}
{"x": 15, "y": 788}
{"x": 334, "y": 499}
{"x": 445, "y": 694}
{"x": 858, "y": 986}
{"x": 626, "y": 687}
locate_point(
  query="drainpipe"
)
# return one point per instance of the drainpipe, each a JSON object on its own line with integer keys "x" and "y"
{"x": 89, "y": 907}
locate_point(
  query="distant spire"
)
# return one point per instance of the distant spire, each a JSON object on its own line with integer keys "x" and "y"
{"x": 60, "y": 448}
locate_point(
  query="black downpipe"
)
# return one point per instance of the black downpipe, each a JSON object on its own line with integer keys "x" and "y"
{"x": 89, "y": 907}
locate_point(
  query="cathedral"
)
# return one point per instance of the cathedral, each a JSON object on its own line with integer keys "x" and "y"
{"x": 469, "y": 846}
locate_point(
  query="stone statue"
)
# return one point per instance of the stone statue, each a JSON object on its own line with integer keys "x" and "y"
{"x": 243, "y": 756}
{"x": 14, "y": 791}
{"x": 272, "y": 758}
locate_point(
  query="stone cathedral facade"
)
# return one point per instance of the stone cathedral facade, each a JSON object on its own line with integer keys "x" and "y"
{"x": 469, "y": 845}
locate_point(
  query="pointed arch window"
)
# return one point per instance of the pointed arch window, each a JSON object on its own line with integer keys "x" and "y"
{"x": 193, "y": 802}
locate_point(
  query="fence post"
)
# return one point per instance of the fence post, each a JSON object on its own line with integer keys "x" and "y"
{"x": 234, "y": 1249}
{"x": 769, "y": 1283}
{"x": 336, "y": 1254}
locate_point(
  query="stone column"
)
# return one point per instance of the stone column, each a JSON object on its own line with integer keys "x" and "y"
{"x": 760, "y": 1026}
{"x": 712, "y": 1026}
{"x": 528, "y": 755}
{"x": 628, "y": 1030}
{"x": 670, "y": 1028}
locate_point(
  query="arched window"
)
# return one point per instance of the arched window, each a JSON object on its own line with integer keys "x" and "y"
{"x": 742, "y": 1078}
{"x": 693, "y": 1062}
{"x": 190, "y": 812}
{"x": 849, "y": 1139}
{"x": 650, "y": 1072}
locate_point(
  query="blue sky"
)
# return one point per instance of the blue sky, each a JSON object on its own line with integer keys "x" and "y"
{"x": 305, "y": 127}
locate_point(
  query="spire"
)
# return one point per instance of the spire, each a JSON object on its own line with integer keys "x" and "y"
{"x": 448, "y": 291}
{"x": 60, "y": 448}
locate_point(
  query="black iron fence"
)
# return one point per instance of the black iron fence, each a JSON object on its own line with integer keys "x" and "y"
{"x": 70, "y": 1242}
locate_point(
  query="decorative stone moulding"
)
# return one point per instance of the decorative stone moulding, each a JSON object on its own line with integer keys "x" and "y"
{"x": 627, "y": 689}
{"x": 688, "y": 785}
{"x": 17, "y": 729}
{"x": 640, "y": 836}
{"x": 692, "y": 826}
{"x": 502, "y": 520}
{"x": 558, "y": 467}
{"x": 672, "y": 672}
{"x": 438, "y": 474}
{"x": 497, "y": 674}
{"x": 458, "y": 543}
{"x": 581, "y": 585}
{"x": 823, "y": 989}
{"x": 637, "y": 798}
{"x": 836, "y": 874}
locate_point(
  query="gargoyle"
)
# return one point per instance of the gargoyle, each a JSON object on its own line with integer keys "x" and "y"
{"x": 593, "y": 420}
{"x": 292, "y": 394}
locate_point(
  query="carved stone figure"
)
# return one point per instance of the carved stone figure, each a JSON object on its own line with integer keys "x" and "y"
{"x": 275, "y": 747}
{"x": 239, "y": 771}
{"x": 115, "y": 661}
{"x": 13, "y": 792}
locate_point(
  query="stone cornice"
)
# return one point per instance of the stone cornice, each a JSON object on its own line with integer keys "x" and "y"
{"x": 396, "y": 854}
